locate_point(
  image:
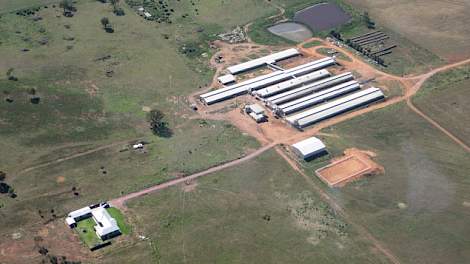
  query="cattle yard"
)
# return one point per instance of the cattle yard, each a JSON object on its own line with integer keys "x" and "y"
{"x": 352, "y": 166}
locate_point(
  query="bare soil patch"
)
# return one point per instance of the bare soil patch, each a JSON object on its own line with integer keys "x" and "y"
{"x": 355, "y": 164}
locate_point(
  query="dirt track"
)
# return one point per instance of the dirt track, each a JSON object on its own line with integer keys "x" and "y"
{"x": 119, "y": 202}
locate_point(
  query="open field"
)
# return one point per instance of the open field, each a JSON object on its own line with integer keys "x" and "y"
{"x": 259, "y": 212}
{"x": 445, "y": 99}
{"x": 439, "y": 26}
{"x": 82, "y": 109}
{"x": 423, "y": 196}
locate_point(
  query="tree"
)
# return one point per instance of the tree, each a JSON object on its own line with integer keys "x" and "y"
{"x": 67, "y": 5}
{"x": 104, "y": 22}
{"x": 158, "y": 125}
{"x": 3, "y": 175}
{"x": 107, "y": 25}
{"x": 369, "y": 23}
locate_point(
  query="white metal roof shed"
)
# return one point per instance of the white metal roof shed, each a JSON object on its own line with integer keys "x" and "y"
{"x": 308, "y": 148}
{"x": 228, "y": 78}
{"x": 255, "y": 108}
{"x": 80, "y": 212}
{"x": 263, "y": 61}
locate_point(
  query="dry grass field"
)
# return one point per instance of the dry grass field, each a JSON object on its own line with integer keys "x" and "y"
{"x": 419, "y": 207}
{"x": 439, "y": 26}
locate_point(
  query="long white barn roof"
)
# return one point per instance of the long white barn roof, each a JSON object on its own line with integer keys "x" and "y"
{"x": 286, "y": 85}
{"x": 310, "y": 88}
{"x": 319, "y": 98}
{"x": 338, "y": 109}
{"x": 292, "y": 119}
{"x": 263, "y": 61}
{"x": 264, "y": 80}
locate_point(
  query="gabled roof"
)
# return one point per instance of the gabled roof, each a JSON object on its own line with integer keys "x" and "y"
{"x": 105, "y": 224}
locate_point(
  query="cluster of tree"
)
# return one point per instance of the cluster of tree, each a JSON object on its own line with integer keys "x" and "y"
{"x": 368, "y": 21}
{"x": 158, "y": 125}
{"x": 336, "y": 35}
{"x": 107, "y": 25}
{"x": 10, "y": 75}
{"x": 52, "y": 259}
{"x": 68, "y": 7}
{"x": 4, "y": 187}
{"x": 118, "y": 11}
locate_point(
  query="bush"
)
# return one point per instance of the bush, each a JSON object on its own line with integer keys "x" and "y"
{"x": 158, "y": 125}
{"x": 119, "y": 12}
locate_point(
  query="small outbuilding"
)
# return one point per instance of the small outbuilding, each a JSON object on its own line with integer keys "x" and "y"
{"x": 259, "y": 118}
{"x": 254, "y": 108}
{"x": 309, "y": 149}
{"x": 226, "y": 79}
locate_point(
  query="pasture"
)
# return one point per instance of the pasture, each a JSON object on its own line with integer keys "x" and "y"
{"x": 439, "y": 26}
{"x": 444, "y": 98}
{"x": 258, "y": 212}
{"x": 422, "y": 198}
{"x": 94, "y": 89}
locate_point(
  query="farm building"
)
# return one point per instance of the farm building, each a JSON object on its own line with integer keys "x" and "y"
{"x": 106, "y": 226}
{"x": 258, "y": 117}
{"x": 254, "y": 108}
{"x": 77, "y": 215}
{"x": 316, "y": 98}
{"x": 270, "y": 59}
{"x": 256, "y": 112}
{"x": 335, "y": 107}
{"x": 308, "y": 89}
{"x": 264, "y": 81}
{"x": 289, "y": 84}
{"x": 226, "y": 79}
{"x": 309, "y": 148}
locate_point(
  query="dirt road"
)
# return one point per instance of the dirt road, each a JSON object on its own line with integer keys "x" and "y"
{"x": 120, "y": 202}
{"x": 75, "y": 155}
{"x": 338, "y": 209}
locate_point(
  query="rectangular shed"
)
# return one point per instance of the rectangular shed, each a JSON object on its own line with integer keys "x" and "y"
{"x": 309, "y": 148}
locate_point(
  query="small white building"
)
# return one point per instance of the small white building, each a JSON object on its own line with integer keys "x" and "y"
{"x": 141, "y": 9}
{"x": 254, "y": 108}
{"x": 147, "y": 15}
{"x": 77, "y": 215}
{"x": 259, "y": 118}
{"x": 309, "y": 148}
{"x": 226, "y": 79}
{"x": 106, "y": 226}
{"x": 256, "y": 112}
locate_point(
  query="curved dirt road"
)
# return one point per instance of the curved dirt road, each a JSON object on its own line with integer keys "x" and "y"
{"x": 120, "y": 202}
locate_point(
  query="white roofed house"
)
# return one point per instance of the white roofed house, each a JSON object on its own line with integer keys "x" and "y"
{"x": 309, "y": 149}
{"x": 106, "y": 226}
{"x": 77, "y": 215}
